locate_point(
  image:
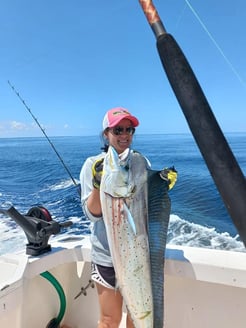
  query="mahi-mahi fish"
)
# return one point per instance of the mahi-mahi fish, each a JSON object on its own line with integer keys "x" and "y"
{"x": 135, "y": 204}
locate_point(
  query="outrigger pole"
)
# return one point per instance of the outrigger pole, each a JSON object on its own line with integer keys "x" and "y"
{"x": 44, "y": 133}
{"x": 214, "y": 148}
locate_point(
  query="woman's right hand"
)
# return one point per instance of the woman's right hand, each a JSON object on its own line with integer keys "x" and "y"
{"x": 97, "y": 171}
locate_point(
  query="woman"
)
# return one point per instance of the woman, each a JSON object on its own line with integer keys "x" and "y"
{"x": 118, "y": 130}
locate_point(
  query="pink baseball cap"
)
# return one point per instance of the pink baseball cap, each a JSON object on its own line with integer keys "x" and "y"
{"x": 115, "y": 115}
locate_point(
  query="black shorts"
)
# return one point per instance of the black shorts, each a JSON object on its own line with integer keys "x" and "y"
{"x": 103, "y": 275}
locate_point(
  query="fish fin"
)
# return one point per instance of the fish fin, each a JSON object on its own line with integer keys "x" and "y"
{"x": 130, "y": 219}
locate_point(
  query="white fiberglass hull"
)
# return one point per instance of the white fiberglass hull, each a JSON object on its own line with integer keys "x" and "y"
{"x": 203, "y": 288}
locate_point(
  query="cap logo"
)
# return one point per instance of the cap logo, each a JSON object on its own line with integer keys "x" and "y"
{"x": 121, "y": 112}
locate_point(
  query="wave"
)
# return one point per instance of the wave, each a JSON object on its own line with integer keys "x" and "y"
{"x": 61, "y": 185}
{"x": 180, "y": 232}
{"x": 12, "y": 238}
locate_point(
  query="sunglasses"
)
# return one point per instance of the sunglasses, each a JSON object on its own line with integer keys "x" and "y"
{"x": 119, "y": 130}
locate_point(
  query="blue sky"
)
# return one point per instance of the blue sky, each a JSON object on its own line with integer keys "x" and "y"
{"x": 73, "y": 60}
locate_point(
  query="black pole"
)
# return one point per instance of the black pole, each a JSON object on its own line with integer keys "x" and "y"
{"x": 206, "y": 131}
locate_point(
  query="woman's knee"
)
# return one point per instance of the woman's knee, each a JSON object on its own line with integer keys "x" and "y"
{"x": 109, "y": 321}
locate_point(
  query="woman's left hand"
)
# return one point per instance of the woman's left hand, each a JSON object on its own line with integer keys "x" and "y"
{"x": 170, "y": 175}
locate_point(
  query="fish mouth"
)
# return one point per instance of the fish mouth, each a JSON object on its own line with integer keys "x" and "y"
{"x": 119, "y": 160}
{"x": 124, "y": 155}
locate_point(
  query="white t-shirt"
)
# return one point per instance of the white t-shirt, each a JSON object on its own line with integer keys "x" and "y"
{"x": 100, "y": 253}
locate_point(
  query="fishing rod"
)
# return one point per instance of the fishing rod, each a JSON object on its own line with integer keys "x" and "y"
{"x": 221, "y": 163}
{"x": 44, "y": 133}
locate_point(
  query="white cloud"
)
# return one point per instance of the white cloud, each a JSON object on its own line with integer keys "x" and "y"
{"x": 16, "y": 129}
{"x": 14, "y": 125}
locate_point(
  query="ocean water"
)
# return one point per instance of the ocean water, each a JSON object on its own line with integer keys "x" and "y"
{"x": 31, "y": 174}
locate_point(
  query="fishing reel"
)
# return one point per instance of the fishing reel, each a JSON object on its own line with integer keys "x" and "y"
{"x": 38, "y": 226}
